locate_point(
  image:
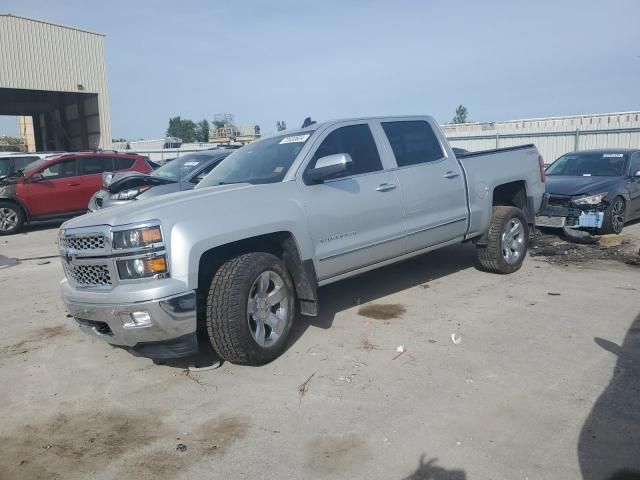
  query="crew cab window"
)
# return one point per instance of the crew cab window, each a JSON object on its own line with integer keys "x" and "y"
{"x": 635, "y": 163}
{"x": 120, "y": 163}
{"x": 413, "y": 142}
{"x": 93, "y": 165}
{"x": 357, "y": 141}
{"x": 64, "y": 169}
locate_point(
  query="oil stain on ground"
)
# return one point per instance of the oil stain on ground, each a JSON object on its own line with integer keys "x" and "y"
{"x": 382, "y": 311}
{"x": 131, "y": 446}
{"x": 329, "y": 454}
{"x": 35, "y": 340}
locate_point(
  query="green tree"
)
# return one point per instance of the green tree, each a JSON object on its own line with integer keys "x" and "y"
{"x": 281, "y": 125}
{"x": 202, "y": 131}
{"x": 461, "y": 115}
{"x": 182, "y": 128}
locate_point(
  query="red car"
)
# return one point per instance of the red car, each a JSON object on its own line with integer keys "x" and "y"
{"x": 59, "y": 187}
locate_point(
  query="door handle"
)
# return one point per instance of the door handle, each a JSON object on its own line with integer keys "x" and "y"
{"x": 73, "y": 184}
{"x": 451, "y": 174}
{"x": 385, "y": 187}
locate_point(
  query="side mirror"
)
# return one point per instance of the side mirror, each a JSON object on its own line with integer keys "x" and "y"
{"x": 330, "y": 166}
{"x": 36, "y": 177}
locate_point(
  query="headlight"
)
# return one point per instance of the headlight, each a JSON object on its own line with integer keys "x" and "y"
{"x": 136, "y": 238}
{"x": 142, "y": 267}
{"x": 129, "y": 194}
{"x": 591, "y": 200}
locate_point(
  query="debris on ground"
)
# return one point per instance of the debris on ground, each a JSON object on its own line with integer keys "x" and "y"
{"x": 43, "y": 262}
{"x": 610, "y": 240}
{"x": 181, "y": 447}
{"x": 367, "y": 345}
{"x": 213, "y": 366}
{"x": 559, "y": 251}
{"x": 554, "y": 294}
{"x": 304, "y": 387}
{"x": 401, "y": 349}
{"x": 456, "y": 339}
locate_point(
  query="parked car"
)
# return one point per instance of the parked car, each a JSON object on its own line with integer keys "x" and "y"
{"x": 240, "y": 255}
{"x": 13, "y": 162}
{"x": 182, "y": 174}
{"x": 58, "y": 187}
{"x": 593, "y": 189}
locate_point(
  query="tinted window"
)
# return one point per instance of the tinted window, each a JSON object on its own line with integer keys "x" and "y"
{"x": 20, "y": 162}
{"x": 93, "y": 165}
{"x": 64, "y": 169}
{"x": 120, "y": 163}
{"x": 357, "y": 141}
{"x": 413, "y": 142}
{"x": 635, "y": 163}
{"x": 588, "y": 164}
{"x": 205, "y": 171}
{"x": 5, "y": 166}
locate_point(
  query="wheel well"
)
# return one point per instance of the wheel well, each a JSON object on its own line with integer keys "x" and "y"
{"x": 17, "y": 204}
{"x": 280, "y": 244}
{"x": 513, "y": 194}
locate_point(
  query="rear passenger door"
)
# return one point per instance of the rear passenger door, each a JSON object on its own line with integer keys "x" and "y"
{"x": 432, "y": 184}
{"x": 90, "y": 169}
{"x": 356, "y": 219}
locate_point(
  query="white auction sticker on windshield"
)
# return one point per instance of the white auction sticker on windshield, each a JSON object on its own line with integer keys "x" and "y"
{"x": 613, "y": 155}
{"x": 190, "y": 164}
{"x": 295, "y": 139}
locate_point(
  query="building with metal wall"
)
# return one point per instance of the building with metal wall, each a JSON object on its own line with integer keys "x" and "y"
{"x": 554, "y": 136}
{"x": 56, "y": 75}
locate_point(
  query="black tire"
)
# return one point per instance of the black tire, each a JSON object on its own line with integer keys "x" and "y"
{"x": 612, "y": 221}
{"x": 227, "y": 320}
{"x": 490, "y": 256}
{"x": 16, "y": 212}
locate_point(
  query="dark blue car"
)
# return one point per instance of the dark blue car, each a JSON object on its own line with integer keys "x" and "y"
{"x": 593, "y": 189}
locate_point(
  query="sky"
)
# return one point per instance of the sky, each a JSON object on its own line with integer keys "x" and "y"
{"x": 265, "y": 61}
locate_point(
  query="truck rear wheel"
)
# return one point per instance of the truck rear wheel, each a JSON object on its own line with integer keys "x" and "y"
{"x": 250, "y": 309}
{"x": 507, "y": 241}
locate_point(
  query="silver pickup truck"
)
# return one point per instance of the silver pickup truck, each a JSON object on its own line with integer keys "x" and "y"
{"x": 236, "y": 259}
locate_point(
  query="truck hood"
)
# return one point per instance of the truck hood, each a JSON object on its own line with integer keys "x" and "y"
{"x": 169, "y": 208}
{"x": 127, "y": 180}
{"x": 566, "y": 185}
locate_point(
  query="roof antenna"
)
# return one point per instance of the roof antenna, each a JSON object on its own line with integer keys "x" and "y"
{"x": 307, "y": 122}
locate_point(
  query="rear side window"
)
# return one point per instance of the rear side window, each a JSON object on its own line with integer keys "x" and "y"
{"x": 413, "y": 142}
{"x": 357, "y": 141}
{"x": 93, "y": 165}
{"x": 64, "y": 169}
{"x": 20, "y": 162}
{"x": 120, "y": 163}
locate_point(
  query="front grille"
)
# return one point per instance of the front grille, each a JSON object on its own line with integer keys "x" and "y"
{"x": 84, "y": 243}
{"x": 88, "y": 275}
{"x": 559, "y": 200}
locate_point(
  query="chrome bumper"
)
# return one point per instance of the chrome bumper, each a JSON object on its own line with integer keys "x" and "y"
{"x": 163, "y": 323}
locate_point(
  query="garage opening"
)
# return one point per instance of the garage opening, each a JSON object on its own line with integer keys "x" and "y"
{"x": 54, "y": 121}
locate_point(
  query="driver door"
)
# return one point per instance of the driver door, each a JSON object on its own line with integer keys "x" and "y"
{"x": 57, "y": 192}
{"x": 356, "y": 219}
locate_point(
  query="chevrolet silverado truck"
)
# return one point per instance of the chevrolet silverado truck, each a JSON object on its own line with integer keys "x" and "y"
{"x": 236, "y": 259}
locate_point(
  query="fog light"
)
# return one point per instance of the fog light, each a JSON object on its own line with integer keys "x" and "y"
{"x": 137, "y": 320}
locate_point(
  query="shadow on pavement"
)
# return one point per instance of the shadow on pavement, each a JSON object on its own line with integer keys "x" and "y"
{"x": 430, "y": 471}
{"x": 381, "y": 282}
{"x": 609, "y": 444}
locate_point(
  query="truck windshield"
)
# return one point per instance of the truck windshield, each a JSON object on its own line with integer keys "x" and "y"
{"x": 588, "y": 165}
{"x": 264, "y": 161}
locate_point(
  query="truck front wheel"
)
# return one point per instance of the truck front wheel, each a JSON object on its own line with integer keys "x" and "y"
{"x": 250, "y": 309}
{"x": 507, "y": 241}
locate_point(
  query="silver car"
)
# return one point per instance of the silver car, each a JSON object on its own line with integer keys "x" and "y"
{"x": 184, "y": 173}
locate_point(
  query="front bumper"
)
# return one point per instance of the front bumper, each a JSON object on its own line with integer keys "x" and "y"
{"x": 169, "y": 329}
{"x": 563, "y": 213}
